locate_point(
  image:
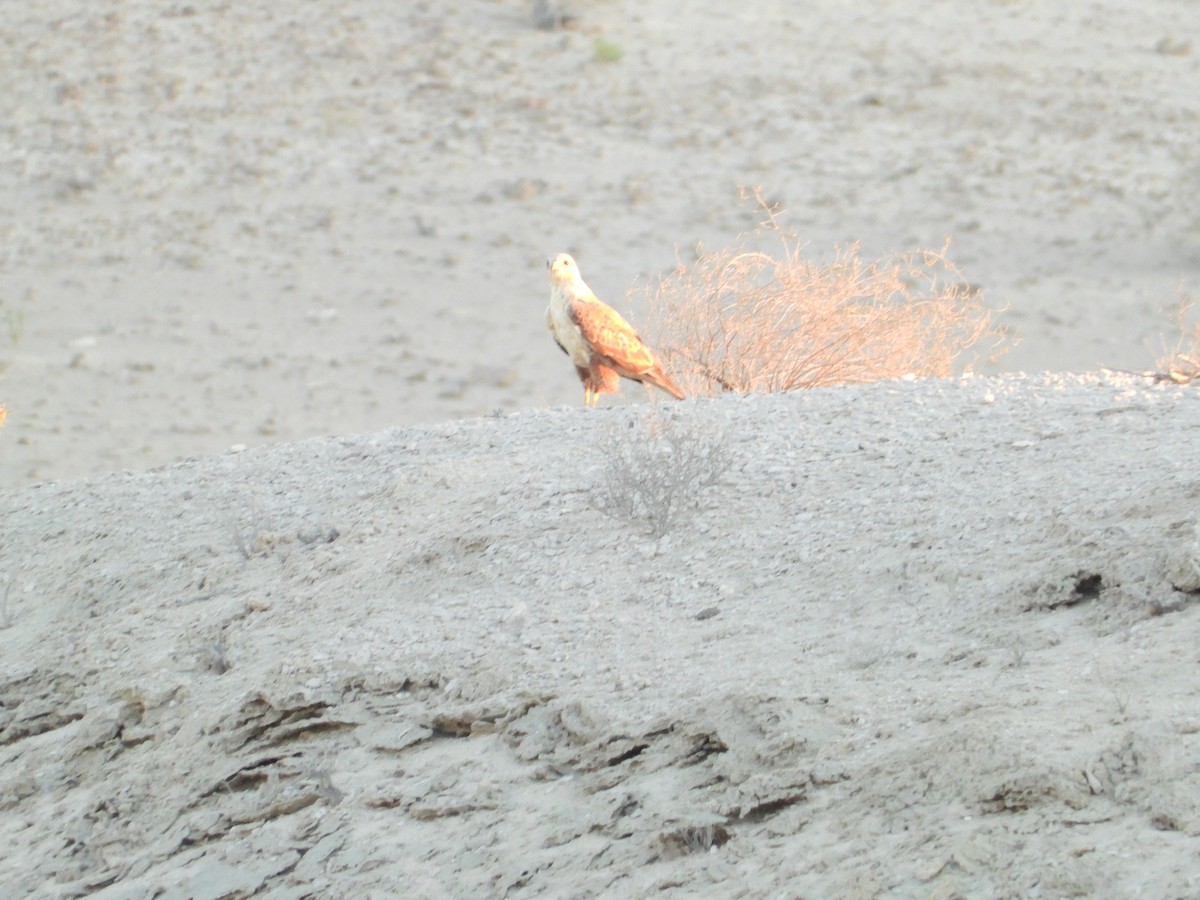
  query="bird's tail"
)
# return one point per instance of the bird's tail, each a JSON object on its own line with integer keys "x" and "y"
{"x": 659, "y": 378}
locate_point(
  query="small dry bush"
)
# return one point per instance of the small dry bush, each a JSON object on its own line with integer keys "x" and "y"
{"x": 1181, "y": 363}
{"x": 748, "y": 321}
{"x": 656, "y": 469}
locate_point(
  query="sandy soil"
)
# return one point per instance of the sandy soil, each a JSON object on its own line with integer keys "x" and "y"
{"x": 929, "y": 639}
{"x": 256, "y": 222}
{"x": 915, "y": 639}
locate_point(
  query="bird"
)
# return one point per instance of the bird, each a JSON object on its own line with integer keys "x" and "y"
{"x": 601, "y": 344}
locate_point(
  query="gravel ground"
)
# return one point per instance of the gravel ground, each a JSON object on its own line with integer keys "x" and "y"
{"x": 913, "y": 638}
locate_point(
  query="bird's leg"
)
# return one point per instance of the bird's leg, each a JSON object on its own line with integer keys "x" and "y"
{"x": 587, "y": 396}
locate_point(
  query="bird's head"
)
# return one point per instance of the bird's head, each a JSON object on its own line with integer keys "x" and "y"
{"x": 563, "y": 269}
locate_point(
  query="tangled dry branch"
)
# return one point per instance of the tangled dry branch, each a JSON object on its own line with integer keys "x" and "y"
{"x": 749, "y": 321}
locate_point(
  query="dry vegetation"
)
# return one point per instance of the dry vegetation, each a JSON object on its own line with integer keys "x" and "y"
{"x": 1181, "y": 362}
{"x": 746, "y": 320}
{"x": 656, "y": 468}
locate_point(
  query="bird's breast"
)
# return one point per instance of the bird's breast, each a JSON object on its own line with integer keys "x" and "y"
{"x": 567, "y": 333}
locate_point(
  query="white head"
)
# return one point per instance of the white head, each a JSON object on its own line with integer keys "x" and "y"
{"x": 563, "y": 270}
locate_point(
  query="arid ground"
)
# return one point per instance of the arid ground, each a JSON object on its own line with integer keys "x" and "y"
{"x": 316, "y": 579}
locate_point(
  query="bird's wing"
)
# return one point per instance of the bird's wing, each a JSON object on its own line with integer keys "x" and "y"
{"x": 611, "y": 337}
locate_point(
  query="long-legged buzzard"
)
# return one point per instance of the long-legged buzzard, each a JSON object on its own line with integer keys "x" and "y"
{"x": 601, "y": 344}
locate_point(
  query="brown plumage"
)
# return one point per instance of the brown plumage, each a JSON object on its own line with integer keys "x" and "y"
{"x": 601, "y": 344}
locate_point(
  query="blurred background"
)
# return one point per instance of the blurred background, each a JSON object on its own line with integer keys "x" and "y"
{"x": 233, "y": 224}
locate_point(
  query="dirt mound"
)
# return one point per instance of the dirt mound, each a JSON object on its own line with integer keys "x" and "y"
{"x": 918, "y": 637}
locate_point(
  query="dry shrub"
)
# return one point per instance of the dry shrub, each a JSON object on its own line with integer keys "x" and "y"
{"x": 1181, "y": 363}
{"x": 748, "y": 321}
{"x": 656, "y": 469}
